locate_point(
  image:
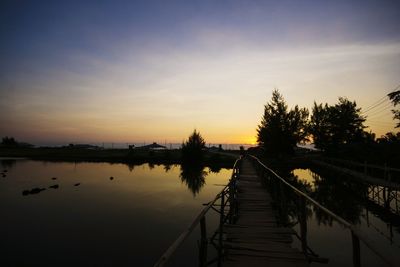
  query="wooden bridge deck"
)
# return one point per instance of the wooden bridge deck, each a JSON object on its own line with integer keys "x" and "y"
{"x": 256, "y": 239}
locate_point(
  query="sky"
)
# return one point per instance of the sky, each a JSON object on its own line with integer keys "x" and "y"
{"x": 144, "y": 71}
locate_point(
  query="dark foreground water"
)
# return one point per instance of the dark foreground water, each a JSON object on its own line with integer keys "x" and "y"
{"x": 92, "y": 219}
{"x": 101, "y": 214}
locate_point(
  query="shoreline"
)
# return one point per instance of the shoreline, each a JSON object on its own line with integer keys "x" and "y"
{"x": 136, "y": 156}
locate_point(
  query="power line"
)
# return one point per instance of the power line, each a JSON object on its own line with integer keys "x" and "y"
{"x": 377, "y": 104}
{"x": 382, "y": 106}
{"x": 387, "y": 110}
{"x": 380, "y": 123}
{"x": 380, "y": 101}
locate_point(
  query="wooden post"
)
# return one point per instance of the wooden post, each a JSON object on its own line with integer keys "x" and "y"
{"x": 388, "y": 198}
{"x": 356, "y": 250}
{"x": 385, "y": 172}
{"x": 384, "y": 196}
{"x": 221, "y": 223}
{"x": 231, "y": 202}
{"x": 303, "y": 224}
{"x": 203, "y": 243}
{"x": 365, "y": 168}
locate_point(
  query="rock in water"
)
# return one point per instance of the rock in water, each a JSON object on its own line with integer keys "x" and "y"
{"x": 33, "y": 191}
{"x": 37, "y": 190}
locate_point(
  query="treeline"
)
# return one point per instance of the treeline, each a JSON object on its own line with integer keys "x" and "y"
{"x": 337, "y": 130}
{"x": 10, "y": 142}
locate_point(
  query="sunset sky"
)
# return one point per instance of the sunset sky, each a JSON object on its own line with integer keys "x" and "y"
{"x": 143, "y": 71}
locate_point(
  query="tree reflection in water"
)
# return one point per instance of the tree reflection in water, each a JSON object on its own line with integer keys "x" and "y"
{"x": 8, "y": 163}
{"x": 167, "y": 167}
{"x": 285, "y": 200}
{"x": 193, "y": 175}
{"x": 340, "y": 195}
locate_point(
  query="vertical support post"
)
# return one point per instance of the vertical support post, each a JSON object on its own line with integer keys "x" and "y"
{"x": 203, "y": 243}
{"x": 221, "y": 223}
{"x": 391, "y": 234}
{"x": 230, "y": 200}
{"x": 384, "y": 196}
{"x": 385, "y": 172}
{"x": 365, "y": 168}
{"x": 303, "y": 224}
{"x": 356, "y": 250}
{"x": 282, "y": 201}
{"x": 388, "y": 198}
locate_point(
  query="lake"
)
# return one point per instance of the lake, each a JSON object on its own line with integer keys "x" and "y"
{"x": 102, "y": 214}
{"x": 92, "y": 219}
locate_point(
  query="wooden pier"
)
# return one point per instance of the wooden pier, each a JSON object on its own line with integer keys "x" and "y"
{"x": 256, "y": 238}
{"x": 249, "y": 233}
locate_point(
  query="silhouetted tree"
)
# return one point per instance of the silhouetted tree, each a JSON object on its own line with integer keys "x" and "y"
{"x": 395, "y": 98}
{"x": 320, "y": 126}
{"x": 389, "y": 137}
{"x": 193, "y": 148}
{"x": 9, "y": 142}
{"x": 280, "y": 130}
{"x": 332, "y": 126}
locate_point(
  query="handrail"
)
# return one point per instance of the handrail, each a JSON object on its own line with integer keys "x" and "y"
{"x": 370, "y": 166}
{"x": 362, "y": 236}
{"x": 182, "y": 237}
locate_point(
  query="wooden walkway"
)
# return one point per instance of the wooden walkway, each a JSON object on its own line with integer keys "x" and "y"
{"x": 256, "y": 239}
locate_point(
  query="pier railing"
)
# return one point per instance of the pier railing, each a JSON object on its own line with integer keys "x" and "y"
{"x": 356, "y": 234}
{"x": 224, "y": 204}
{"x": 382, "y": 172}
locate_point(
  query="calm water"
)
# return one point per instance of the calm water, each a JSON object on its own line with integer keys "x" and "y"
{"x": 128, "y": 220}
{"x": 92, "y": 220}
{"x": 347, "y": 198}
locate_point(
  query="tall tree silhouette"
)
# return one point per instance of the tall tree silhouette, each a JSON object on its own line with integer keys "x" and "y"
{"x": 280, "y": 130}
{"x": 395, "y": 98}
{"x": 193, "y": 148}
{"x": 332, "y": 126}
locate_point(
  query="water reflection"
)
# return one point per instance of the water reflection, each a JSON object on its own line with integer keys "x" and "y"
{"x": 346, "y": 197}
{"x": 167, "y": 167}
{"x": 193, "y": 175}
{"x": 340, "y": 196}
{"x": 131, "y": 166}
{"x": 335, "y": 192}
{"x": 7, "y": 164}
{"x": 84, "y": 218}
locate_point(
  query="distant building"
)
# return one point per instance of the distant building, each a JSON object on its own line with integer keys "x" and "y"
{"x": 153, "y": 146}
{"x": 83, "y": 146}
{"x": 213, "y": 149}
